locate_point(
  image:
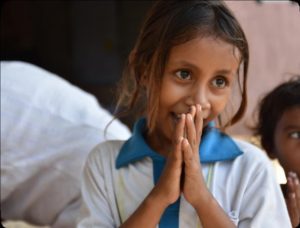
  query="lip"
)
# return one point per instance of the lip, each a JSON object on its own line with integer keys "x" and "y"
{"x": 175, "y": 117}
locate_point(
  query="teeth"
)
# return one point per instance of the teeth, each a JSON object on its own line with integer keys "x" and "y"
{"x": 177, "y": 116}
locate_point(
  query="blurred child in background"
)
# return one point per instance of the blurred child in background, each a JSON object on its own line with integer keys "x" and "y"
{"x": 279, "y": 129}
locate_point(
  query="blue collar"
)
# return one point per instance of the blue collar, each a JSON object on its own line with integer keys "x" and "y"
{"x": 215, "y": 146}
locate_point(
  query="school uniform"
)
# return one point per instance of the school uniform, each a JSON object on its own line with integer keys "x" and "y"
{"x": 119, "y": 175}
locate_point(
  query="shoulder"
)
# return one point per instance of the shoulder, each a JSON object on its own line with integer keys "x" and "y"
{"x": 105, "y": 152}
{"x": 249, "y": 182}
{"x": 253, "y": 159}
{"x": 251, "y": 151}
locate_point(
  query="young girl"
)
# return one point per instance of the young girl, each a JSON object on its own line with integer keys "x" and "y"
{"x": 279, "y": 128}
{"x": 177, "y": 169}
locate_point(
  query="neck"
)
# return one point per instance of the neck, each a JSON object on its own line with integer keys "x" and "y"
{"x": 159, "y": 143}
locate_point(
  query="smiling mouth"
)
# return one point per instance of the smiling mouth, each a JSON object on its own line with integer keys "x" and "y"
{"x": 176, "y": 117}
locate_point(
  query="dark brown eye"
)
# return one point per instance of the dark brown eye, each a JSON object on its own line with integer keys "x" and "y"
{"x": 183, "y": 74}
{"x": 219, "y": 82}
{"x": 295, "y": 135}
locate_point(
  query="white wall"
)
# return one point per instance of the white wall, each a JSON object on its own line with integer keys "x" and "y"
{"x": 273, "y": 32}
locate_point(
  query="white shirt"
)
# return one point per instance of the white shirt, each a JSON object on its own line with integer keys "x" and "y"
{"x": 48, "y": 127}
{"x": 244, "y": 187}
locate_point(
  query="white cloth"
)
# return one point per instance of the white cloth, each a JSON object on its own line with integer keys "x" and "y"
{"x": 48, "y": 127}
{"x": 245, "y": 188}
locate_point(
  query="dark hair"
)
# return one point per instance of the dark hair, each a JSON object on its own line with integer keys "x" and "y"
{"x": 272, "y": 107}
{"x": 167, "y": 24}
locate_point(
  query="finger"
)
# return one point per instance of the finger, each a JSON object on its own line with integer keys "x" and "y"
{"x": 191, "y": 131}
{"x": 199, "y": 122}
{"x": 176, "y": 159}
{"x": 291, "y": 201}
{"x": 176, "y": 156}
{"x": 179, "y": 130}
{"x": 296, "y": 190}
{"x": 292, "y": 209}
{"x": 193, "y": 111}
{"x": 290, "y": 184}
{"x": 187, "y": 153}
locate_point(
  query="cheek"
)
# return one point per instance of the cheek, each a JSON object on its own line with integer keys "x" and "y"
{"x": 290, "y": 164}
{"x": 288, "y": 154}
{"x": 294, "y": 157}
{"x": 218, "y": 103}
{"x": 171, "y": 94}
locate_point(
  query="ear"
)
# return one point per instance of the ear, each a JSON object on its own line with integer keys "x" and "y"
{"x": 131, "y": 56}
{"x": 131, "y": 60}
{"x": 271, "y": 153}
{"x": 269, "y": 150}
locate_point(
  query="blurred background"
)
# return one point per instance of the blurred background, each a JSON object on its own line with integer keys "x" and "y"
{"x": 87, "y": 42}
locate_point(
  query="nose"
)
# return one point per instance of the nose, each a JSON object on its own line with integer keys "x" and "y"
{"x": 200, "y": 96}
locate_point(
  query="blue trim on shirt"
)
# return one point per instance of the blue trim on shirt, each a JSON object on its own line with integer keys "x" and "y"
{"x": 170, "y": 217}
{"x": 214, "y": 146}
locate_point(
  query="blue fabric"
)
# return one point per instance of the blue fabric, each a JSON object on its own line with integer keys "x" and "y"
{"x": 170, "y": 217}
{"x": 214, "y": 146}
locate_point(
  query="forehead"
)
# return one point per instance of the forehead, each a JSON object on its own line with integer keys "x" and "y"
{"x": 290, "y": 119}
{"x": 202, "y": 50}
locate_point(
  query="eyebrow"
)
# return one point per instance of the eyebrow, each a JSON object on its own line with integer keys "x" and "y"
{"x": 190, "y": 65}
{"x": 291, "y": 127}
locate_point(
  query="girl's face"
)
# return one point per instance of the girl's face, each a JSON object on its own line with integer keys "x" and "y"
{"x": 287, "y": 140}
{"x": 200, "y": 71}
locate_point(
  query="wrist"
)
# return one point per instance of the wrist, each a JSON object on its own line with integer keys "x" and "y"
{"x": 157, "y": 199}
{"x": 205, "y": 198}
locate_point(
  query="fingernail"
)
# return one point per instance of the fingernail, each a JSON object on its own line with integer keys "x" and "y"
{"x": 179, "y": 139}
{"x": 199, "y": 107}
{"x": 297, "y": 181}
{"x": 292, "y": 195}
{"x": 294, "y": 174}
{"x": 291, "y": 174}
